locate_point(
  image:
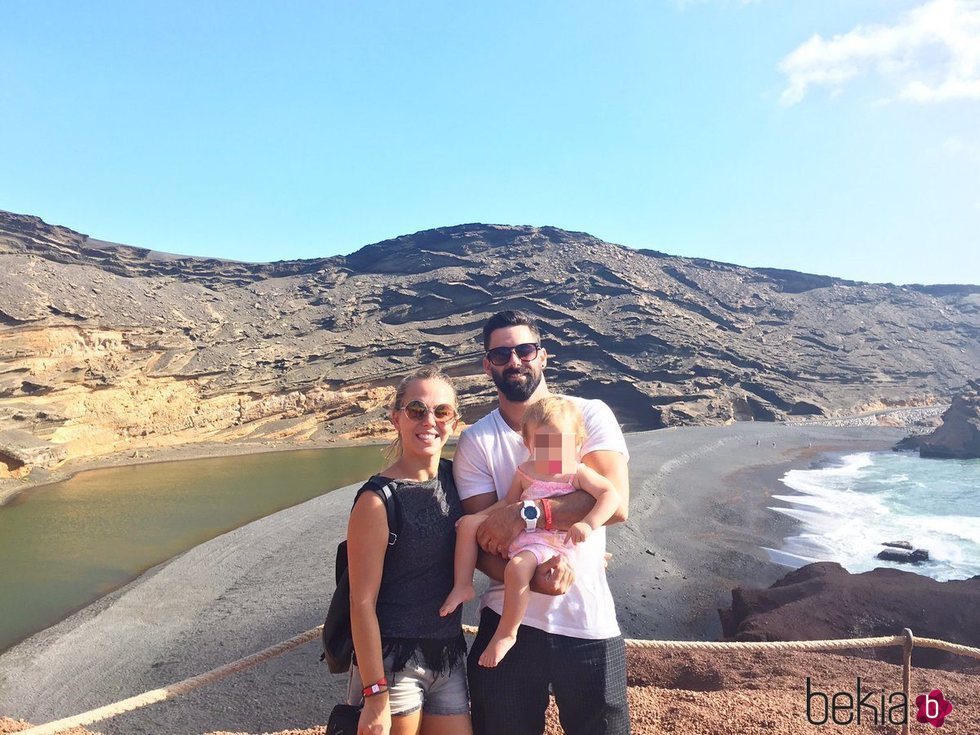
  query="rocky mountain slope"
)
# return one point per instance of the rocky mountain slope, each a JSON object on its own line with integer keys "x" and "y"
{"x": 106, "y": 347}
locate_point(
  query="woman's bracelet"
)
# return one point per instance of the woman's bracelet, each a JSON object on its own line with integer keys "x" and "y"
{"x": 381, "y": 685}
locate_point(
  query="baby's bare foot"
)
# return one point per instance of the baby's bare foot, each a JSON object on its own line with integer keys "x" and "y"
{"x": 457, "y": 596}
{"x": 496, "y": 650}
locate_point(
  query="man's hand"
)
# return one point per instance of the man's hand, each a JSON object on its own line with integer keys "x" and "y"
{"x": 553, "y": 577}
{"x": 499, "y": 529}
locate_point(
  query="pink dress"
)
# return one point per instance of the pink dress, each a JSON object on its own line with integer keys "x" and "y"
{"x": 543, "y": 544}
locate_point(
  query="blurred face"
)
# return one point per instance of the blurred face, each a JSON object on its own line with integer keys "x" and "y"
{"x": 552, "y": 450}
{"x": 517, "y": 379}
{"x": 425, "y": 435}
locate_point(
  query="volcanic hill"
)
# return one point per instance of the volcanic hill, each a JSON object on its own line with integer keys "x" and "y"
{"x": 107, "y": 347}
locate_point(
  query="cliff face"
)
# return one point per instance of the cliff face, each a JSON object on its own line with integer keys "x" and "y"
{"x": 823, "y": 601}
{"x": 959, "y": 435}
{"x": 106, "y": 347}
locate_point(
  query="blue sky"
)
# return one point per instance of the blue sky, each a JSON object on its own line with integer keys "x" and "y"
{"x": 830, "y": 136}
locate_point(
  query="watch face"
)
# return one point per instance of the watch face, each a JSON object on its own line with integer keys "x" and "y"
{"x": 529, "y": 512}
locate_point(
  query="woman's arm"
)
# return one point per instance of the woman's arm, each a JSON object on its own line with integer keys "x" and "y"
{"x": 367, "y": 542}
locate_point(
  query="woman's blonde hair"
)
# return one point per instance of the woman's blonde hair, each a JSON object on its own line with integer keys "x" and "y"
{"x": 555, "y": 411}
{"x": 426, "y": 372}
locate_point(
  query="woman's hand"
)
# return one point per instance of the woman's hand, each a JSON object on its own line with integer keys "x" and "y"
{"x": 376, "y": 716}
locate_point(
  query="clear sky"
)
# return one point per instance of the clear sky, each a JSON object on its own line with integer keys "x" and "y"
{"x": 830, "y": 136}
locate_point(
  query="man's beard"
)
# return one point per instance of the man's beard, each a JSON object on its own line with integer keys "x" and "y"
{"x": 520, "y": 391}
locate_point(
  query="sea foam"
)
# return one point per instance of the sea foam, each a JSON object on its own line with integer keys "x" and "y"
{"x": 847, "y": 509}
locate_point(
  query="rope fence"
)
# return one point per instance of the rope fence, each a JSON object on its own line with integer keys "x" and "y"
{"x": 906, "y": 641}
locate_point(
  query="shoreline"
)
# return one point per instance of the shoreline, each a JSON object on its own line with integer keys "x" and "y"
{"x": 39, "y": 477}
{"x": 699, "y": 517}
{"x": 709, "y": 538}
{"x": 10, "y": 489}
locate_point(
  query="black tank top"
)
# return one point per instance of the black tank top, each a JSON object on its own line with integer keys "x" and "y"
{"x": 418, "y": 575}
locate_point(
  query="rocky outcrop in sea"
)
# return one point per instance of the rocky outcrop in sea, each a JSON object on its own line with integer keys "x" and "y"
{"x": 959, "y": 435}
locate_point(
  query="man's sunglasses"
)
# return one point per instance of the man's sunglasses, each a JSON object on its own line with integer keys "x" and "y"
{"x": 416, "y": 411}
{"x": 501, "y": 355}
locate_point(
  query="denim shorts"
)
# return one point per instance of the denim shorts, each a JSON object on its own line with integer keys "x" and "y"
{"x": 417, "y": 687}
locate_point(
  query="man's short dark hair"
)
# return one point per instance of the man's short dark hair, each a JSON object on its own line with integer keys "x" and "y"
{"x": 509, "y": 319}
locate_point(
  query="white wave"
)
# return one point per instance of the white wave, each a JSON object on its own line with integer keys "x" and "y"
{"x": 824, "y": 479}
{"x": 787, "y": 559}
{"x": 954, "y": 527}
{"x": 848, "y": 510}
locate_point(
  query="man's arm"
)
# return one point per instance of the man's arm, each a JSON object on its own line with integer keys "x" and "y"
{"x": 503, "y": 525}
{"x": 612, "y": 466}
{"x": 567, "y": 510}
{"x": 554, "y": 577}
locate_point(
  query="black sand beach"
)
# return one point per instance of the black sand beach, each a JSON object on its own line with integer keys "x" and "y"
{"x": 698, "y": 521}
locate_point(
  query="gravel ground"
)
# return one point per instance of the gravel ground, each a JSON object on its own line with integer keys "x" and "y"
{"x": 751, "y": 693}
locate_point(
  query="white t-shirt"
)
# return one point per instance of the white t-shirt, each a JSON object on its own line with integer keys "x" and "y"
{"x": 486, "y": 459}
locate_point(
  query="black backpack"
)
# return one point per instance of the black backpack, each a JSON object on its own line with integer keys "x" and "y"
{"x": 338, "y": 645}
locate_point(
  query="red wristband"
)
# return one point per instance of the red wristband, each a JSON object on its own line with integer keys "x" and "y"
{"x": 381, "y": 685}
{"x": 546, "y": 507}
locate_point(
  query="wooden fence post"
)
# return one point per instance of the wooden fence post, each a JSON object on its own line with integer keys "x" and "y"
{"x": 907, "y": 679}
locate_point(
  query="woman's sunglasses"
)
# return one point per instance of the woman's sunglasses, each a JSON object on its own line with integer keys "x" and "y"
{"x": 416, "y": 411}
{"x": 501, "y": 355}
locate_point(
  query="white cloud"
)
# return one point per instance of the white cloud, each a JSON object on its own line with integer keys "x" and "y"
{"x": 932, "y": 54}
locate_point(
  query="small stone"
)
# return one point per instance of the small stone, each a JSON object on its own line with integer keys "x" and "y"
{"x": 898, "y": 544}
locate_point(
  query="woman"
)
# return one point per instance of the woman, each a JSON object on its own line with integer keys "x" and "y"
{"x": 409, "y": 661}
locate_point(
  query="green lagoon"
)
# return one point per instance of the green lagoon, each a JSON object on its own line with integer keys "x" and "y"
{"x": 65, "y": 545}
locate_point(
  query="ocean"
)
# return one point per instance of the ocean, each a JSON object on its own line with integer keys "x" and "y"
{"x": 848, "y": 506}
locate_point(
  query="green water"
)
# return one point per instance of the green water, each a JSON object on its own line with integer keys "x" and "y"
{"x": 65, "y": 545}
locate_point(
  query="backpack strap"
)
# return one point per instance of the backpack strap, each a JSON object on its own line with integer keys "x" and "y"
{"x": 386, "y": 491}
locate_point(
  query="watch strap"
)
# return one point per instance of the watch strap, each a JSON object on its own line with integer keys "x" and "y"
{"x": 529, "y": 523}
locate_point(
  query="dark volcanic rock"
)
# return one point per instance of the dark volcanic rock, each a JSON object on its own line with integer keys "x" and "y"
{"x": 902, "y": 556}
{"x": 959, "y": 435}
{"x": 824, "y": 601}
{"x": 108, "y": 346}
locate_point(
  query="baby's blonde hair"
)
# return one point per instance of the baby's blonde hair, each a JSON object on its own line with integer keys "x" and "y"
{"x": 555, "y": 411}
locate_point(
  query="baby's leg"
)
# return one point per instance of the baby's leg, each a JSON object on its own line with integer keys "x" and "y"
{"x": 465, "y": 563}
{"x": 517, "y": 591}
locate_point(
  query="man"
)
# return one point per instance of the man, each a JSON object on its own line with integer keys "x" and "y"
{"x": 569, "y": 642}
